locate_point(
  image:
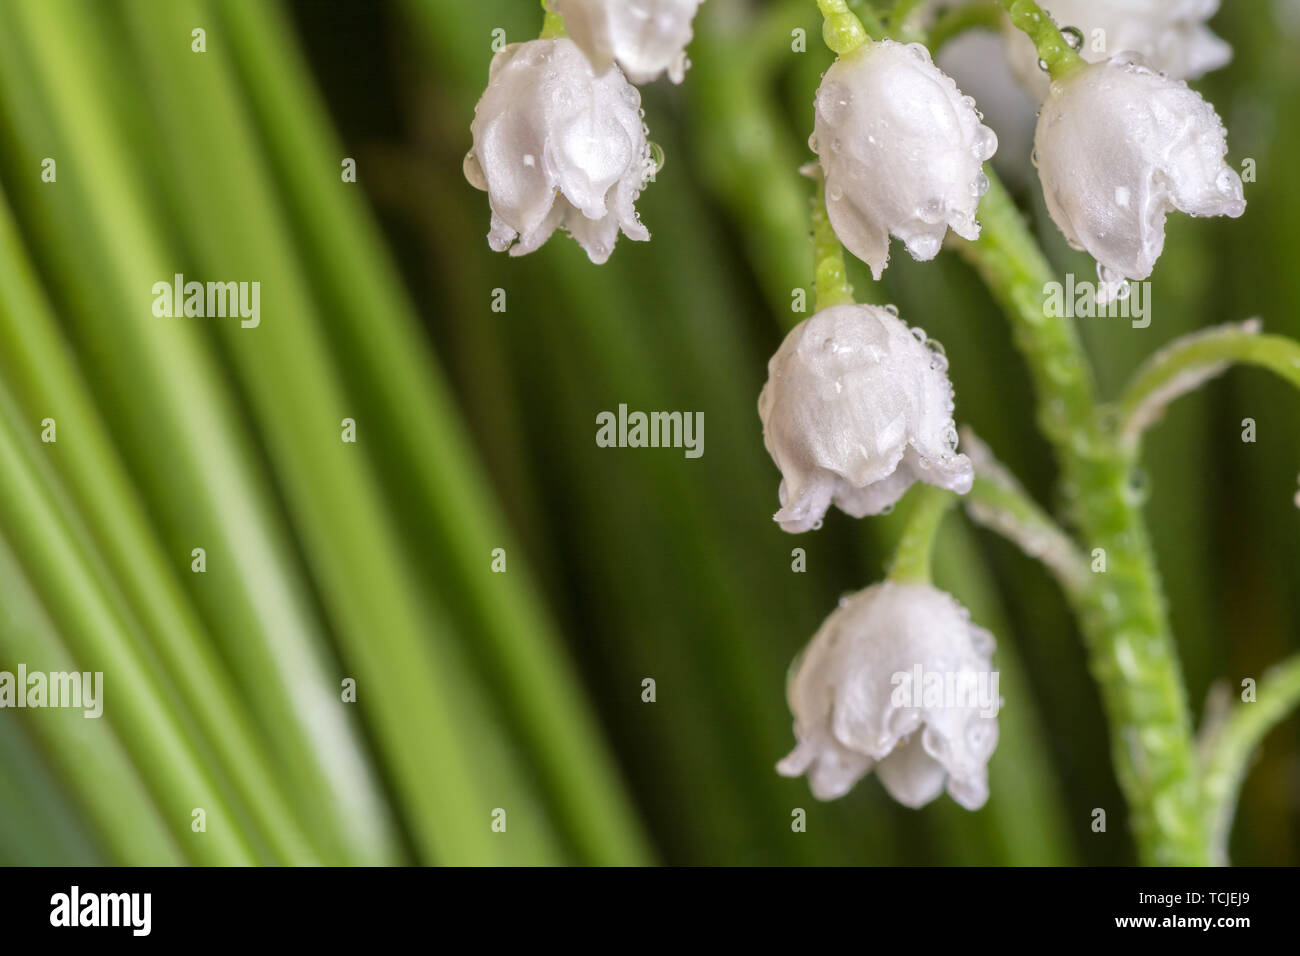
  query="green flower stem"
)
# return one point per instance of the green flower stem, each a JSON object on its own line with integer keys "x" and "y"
{"x": 927, "y": 507}
{"x": 1053, "y": 50}
{"x": 968, "y": 16}
{"x": 1231, "y": 746}
{"x": 1010, "y": 512}
{"x": 842, "y": 30}
{"x": 1188, "y": 361}
{"x": 831, "y": 282}
{"x": 552, "y": 23}
{"x": 1131, "y": 650}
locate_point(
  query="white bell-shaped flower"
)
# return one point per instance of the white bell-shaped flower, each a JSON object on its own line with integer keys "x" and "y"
{"x": 857, "y": 407}
{"x": 647, "y": 38}
{"x": 1171, "y": 34}
{"x": 898, "y": 679}
{"x": 902, "y": 151}
{"x": 556, "y": 146}
{"x": 1118, "y": 147}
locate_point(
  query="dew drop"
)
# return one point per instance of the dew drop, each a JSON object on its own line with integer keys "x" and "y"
{"x": 1042, "y": 65}
{"x": 893, "y": 310}
{"x": 1139, "y": 486}
{"x": 657, "y": 156}
{"x": 833, "y": 101}
{"x": 1074, "y": 37}
{"x": 931, "y": 211}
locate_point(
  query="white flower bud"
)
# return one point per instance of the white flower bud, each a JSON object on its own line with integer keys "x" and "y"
{"x": 1118, "y": 147}
{"x": 646, "y": 37}
{"x": 856, "y": 408}
{"x": 556, "y": 146}
{"x": 902, "y": 151}
{"x": 1171, "y": 34}
{"x": 854, "y": 711}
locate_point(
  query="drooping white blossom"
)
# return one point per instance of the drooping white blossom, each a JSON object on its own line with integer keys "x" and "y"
{"x": 857, "y": 705}
{"x": 1172, "y": 35}
{"x": 556, "y": 146}
{"x": 857, "y": 407}
{"x": 902, "y": 152}
{"x": 1118, "y": 147}
{"x": 647, "y": 38}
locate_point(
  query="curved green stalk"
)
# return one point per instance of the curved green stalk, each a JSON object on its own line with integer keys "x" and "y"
{"x": 928, "y": 506}
{"x": 831, "y": 283}
{"x": 1054, "y": 53}
{"x": 1231, "y": 745}
{"x": 1189, "y": 361}
{"x": 1131, "y": 650}
{"x": 998, "y": 502}
{"x": 841, "y": 28}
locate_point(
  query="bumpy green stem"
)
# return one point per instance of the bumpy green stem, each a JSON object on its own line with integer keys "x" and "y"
{"x": 1124, "y": 619}
{"x": 1054, "y": 53}
{"x": 1230, "y": 748}
{"x": 998, "y": 502}
{"x": 1188, "y": 361}
{"x": 912, "y": 557}
{"x": 841, "y": 28}
{"x": 831, "y": 276}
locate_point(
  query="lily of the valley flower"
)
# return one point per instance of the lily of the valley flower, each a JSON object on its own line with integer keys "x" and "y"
{"x": 853, "y": 713}
{"x": 647, "y": 38}
{"x": 1171, "y": 34}
{"x": 1118, "y": 147}
{"x": 556, "y": 146}
{"x": 856, "y": 408}
{"x": 902, "y": 151}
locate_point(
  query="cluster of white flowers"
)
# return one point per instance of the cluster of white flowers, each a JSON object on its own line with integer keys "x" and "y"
{"x": 845, "y": 695}
{"x": 858, "y": 406}
{"x": 855, "y": 410}
{"x": 559, "y": 140}
{"x": 1118, "y": 147}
